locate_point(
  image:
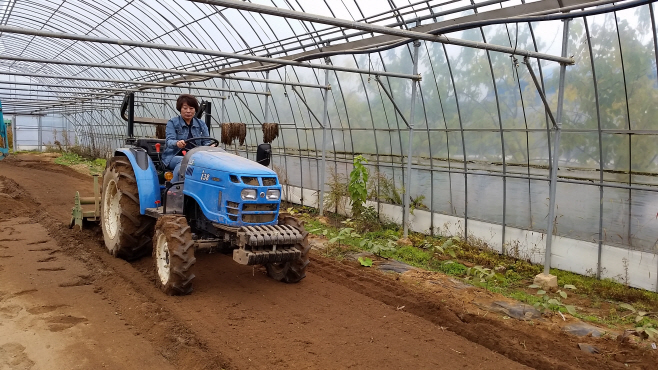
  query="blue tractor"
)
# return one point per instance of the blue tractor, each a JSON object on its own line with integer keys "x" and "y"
{"x": 4, "y": 142}
{"x": 220, "y": 201}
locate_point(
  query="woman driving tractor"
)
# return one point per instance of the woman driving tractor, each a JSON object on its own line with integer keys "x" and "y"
{"x": 181, "y": 132}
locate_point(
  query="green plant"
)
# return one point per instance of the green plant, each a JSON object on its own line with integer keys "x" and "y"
{"x": 479, "y": 274}
{"x": 639, "y": 315}
{"x": 452, "y": 268}
{"x": 365, "y": 261}
{"x": 412, "y": 255}
{"x": 382, "y": 188}
{"x": 449, "y": 246}
{"x": 369, "y": 218}
{"x": 291, "y": 210}
{"x": 344, "y": 234}
{"x": 554, "y": 303}
{"x": 378, "y": 247}
{"x": 417, "y": 203}
{"x": 647, "y": 331}
{"x": 357, "y": 187}
{"x": 336, "y": 197}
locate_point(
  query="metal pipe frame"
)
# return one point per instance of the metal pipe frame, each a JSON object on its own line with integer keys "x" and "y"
{"x": 149, "y": 45}
{"x": 92, "y": 88}
{"x": 221, "y": 116}
{"x": 547, "y": 107}
{"x": 410, "y": 148}
{"x": 556, "y": 153}
{"x": 501, "y": 175}
{"x": 49, "y": 93}
{"x": 655, "y": 50}
{"x": 299, "y": 95}
{"x": 267, "y": 99}
{"x": 249, "y": 110}
{"x": 148, "y": 69}
{"x": 322, "y": 37}
{"x": 598, "y": 124}
{"x": 390, "y": 97}
{"x": 129, "y": 82}
{"x": 411, "y": 35}
{"x": 323, "y": 166}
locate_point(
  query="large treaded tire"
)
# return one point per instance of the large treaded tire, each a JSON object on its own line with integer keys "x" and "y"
{"x": 293, "y": 271}
{"x": 126, "y": 232}
{"x": 173, "y": 254}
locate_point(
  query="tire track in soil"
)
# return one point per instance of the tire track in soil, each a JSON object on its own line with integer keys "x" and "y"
{"x": 174, "y": 340}
{"x": 145, "y": 310}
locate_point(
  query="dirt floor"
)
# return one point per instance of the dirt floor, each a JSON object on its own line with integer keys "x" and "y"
{"x": 67, "y": 304}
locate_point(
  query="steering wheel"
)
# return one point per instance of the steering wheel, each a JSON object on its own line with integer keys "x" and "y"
{"x": 194, "y": 139}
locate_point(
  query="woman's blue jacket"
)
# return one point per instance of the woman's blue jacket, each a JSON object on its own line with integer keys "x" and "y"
{"x": 177, "y": 129}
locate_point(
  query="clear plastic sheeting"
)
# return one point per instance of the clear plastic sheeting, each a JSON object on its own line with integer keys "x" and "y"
{"x": 482, "y": 139}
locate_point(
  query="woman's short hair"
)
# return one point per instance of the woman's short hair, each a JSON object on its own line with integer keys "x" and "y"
{"x": 189, "y": 99}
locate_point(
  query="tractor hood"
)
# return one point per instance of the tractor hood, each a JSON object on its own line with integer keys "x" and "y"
{"x": 228, "y": 162}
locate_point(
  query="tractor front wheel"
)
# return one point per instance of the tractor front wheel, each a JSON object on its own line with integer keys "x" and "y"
{"x": 126, "y": 232}
{"x": 292, "y": 271}
{"x": 173, "y": 253}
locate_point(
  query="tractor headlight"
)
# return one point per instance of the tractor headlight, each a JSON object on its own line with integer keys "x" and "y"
{"x": 248, "y": 194}
{"x": 273, "y": 194}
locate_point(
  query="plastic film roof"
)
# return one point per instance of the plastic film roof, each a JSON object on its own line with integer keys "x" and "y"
{"x": 482, "y": 141}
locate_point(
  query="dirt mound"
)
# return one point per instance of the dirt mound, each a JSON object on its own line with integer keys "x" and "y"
{"x": 14, "y": 200}
{"x": 534, "y": 344}
{"x": 47, "y": 165}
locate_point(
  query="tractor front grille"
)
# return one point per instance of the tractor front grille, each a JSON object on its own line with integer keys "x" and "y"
{"x": 253, "y": 181}
{"x": 269, "y": 181}
{"x": 232, "y": 208}
{"x": 263, "y": 207}
{"x": 260, "y": 218}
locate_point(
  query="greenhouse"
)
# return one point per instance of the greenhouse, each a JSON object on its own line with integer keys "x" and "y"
{"x": 522, "y": 126}
{"x": 481, "y": 138}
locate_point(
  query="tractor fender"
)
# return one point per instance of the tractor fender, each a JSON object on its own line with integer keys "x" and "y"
{"x": 145, "y": 175}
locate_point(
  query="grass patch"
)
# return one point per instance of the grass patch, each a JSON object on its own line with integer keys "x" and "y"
{"x": 608, "y": 289}
{"x": 94, "y": 166}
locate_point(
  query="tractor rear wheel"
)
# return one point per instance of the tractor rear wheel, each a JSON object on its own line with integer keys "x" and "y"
{"x": 292, "y": 271}
{"x": 127, "y": 233}
{"x": 173, "y": 253}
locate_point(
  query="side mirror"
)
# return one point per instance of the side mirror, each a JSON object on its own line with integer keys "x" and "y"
{"x": 264, "y": 154}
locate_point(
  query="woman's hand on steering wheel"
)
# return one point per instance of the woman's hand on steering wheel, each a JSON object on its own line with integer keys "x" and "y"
{"x": 213, "y": 142}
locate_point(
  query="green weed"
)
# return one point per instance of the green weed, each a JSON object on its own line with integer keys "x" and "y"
{"x": 95, "y": 166}
{"x": 358, "y": 185}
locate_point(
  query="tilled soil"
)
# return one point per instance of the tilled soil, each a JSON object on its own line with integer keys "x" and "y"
{"x": 65, "y": 303}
